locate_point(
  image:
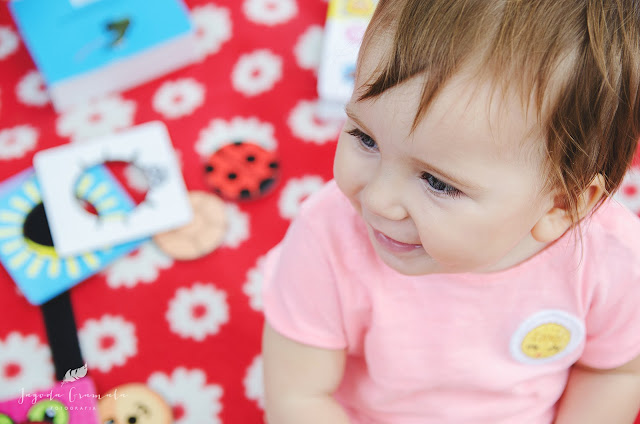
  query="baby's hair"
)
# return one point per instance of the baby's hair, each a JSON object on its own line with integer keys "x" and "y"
{"x": 579, "y": 60}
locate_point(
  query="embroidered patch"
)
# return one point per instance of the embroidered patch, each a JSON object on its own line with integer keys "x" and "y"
{"x": 547, "y": 336}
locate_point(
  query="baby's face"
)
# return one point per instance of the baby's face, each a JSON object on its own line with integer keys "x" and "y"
{"x": 459, "y": 194}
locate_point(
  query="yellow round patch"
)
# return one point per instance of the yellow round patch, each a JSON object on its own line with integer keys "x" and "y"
{"x": 547, "y": 336}
{"x": 546, "y": 341}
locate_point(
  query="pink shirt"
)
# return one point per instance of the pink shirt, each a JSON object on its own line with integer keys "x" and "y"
{"x": 455, "y": 348}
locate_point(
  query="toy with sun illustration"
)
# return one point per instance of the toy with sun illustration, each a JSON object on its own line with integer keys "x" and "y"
{"x": 89, "y": 218}
{"x": 26, "y": 246}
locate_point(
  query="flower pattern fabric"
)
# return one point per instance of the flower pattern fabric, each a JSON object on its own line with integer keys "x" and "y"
{"x": 108, "y": 342}
{"x": 192, "y": 399}
{"x": 25, "y": 364}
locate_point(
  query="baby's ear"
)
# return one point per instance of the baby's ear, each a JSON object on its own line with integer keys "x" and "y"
{"x": 557, "y": 220}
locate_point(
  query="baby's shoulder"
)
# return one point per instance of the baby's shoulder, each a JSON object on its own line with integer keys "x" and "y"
{"x": 612, "y": 237}
{"x": 335, "y": 225}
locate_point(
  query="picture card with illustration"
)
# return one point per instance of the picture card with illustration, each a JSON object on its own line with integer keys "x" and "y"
{"x": 148, "y": 148}
{"x": 27, "y": 250}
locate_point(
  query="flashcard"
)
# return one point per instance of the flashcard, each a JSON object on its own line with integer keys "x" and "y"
{"x": 346, "y": 22}
{"x": 68, "y": 403}
{"x": 148, "y": 148}
{"x": 26, "y": 247}
{"x": 87, "y": 48}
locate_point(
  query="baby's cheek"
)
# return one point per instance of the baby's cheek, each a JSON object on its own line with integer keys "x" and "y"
{"x": 348, "y": 172}
{"x": 454, "y": 249}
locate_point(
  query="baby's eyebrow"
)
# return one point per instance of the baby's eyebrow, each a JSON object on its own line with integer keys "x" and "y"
{"x": 351, "y": 114}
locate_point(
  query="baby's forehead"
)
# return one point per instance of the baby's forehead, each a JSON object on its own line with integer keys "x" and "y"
{"x": 470, "y": 103}
{"x": 489, "y": 114}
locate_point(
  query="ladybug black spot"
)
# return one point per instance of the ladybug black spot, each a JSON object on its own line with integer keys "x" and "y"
{"x": 245, "y": 194}
{"x": 251, "y": 158}
{"x": 273, "y": 165}
{"x": 232, "y": 176}
{"x": 208, "y": 168}
{"x": 266, "y": 184}
{"x": 132, "y": 420}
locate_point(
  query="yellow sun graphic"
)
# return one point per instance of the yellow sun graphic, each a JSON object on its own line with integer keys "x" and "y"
{"x": 26, "y": 246}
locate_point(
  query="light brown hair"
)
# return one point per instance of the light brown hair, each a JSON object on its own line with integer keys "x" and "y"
{"x": 578, "y": 59}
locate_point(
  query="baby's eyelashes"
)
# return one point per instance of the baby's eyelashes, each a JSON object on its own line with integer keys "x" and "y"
{"x": 365, "y": 140}
{"x": 440, "y": 186}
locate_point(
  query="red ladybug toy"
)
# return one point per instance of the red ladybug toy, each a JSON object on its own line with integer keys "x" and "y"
{"x": 242, "y": 171}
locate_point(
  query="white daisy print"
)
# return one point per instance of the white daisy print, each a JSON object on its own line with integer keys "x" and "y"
{"x": 175, "y": 99}
{"x": 256, "y": 72}
{"x": 308, "y": 48}
{"x": 25, "y": 364}
{"x": 17, "y": 141}
{"x": 108, "y": 342}
{"x": 32, "y": 90}
{"x": 219, "y": 133}
{"x": 9, "y": 42}
{"x": 198, "y": 312}
{"x": 306, "y": 125}
{"x": 629, "y": 192}
{"x": 238, "y": 227}
{"x": 270, "y": 12}
{"x": 253, "y": 382}
{"x": 96, "y": 118}
{"x": 253, "y": 285}
{"x": 213, "y": 27}
{"x": 141, "y": 266}
{"x": 192, "y": 400}
{"x": 294, "y": 193}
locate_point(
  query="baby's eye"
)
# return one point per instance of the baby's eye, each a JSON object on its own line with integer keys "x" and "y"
{"x": 366, "y": 141}
{"x": 440, "y": 186}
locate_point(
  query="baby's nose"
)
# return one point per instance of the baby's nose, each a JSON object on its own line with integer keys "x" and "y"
{"x": 383, "y": 197}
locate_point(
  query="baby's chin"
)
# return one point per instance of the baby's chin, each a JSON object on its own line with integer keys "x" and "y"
{"x": 415, "y": 264}
{"x": 424, "y": 264}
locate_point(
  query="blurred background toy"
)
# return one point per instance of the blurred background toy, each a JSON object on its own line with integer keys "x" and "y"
{"x": 87, "y": 48}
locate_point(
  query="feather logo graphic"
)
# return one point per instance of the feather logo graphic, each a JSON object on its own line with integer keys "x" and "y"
{"x": 73, "y": 375}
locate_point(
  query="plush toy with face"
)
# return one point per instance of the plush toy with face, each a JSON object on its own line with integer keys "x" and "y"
{"x": 133, "y": 403}
{"x": 42, "y": 412}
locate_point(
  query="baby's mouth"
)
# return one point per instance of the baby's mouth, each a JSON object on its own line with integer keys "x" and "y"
{"x": 394, "y": 245}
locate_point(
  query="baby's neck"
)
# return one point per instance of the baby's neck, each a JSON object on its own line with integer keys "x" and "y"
{"x": 529, "y": 248}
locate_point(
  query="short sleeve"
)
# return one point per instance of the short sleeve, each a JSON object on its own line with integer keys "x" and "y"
{"x": 300, "y": 297}
{"x": 613, "y": 319}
